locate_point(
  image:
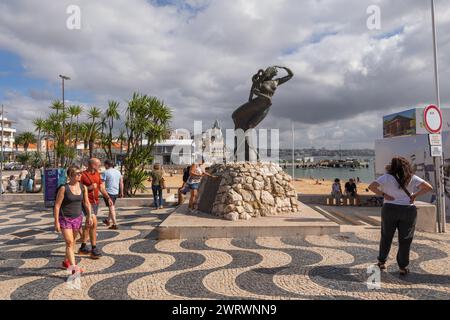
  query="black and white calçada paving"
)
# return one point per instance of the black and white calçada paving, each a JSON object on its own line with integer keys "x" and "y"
{"x": 137, "y": 266}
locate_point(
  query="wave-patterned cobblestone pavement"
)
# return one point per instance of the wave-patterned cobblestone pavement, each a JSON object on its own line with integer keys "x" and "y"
{"x": 136, "y": 266}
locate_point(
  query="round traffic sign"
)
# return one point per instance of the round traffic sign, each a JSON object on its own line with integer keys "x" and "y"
{"x": 433, "y": 119}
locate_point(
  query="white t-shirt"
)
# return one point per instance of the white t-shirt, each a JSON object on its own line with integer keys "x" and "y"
{"x": 390, "y": 186}
{"x": 112, "y": 178}
{"x": 335, "y": 188}
{"x": 23, "y": 174}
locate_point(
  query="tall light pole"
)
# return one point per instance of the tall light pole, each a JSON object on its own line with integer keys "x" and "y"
{"x": 2, "y": 155}
{"x": 438, "y": 161}
{"x": 293, "y": 151}
{"x": 63, "y": 78}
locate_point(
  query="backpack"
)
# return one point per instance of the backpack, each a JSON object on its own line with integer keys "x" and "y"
{"x": 186, "y": 173}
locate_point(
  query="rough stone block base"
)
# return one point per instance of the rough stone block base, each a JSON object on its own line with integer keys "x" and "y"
{"x": 248, "y": 190}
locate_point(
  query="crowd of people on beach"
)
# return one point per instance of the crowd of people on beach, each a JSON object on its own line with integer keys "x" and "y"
{"x": 79, "y": 198}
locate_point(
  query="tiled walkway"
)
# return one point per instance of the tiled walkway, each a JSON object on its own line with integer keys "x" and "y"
{"x": 135, "y": 266}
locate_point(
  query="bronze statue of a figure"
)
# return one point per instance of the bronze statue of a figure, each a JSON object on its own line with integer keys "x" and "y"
{"x": 249, "y": 115}
{"x": 252, "y": 113}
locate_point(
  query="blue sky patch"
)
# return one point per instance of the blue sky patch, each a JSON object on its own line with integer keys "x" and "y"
{"x": 13, "y": 78}
{"x": 391, "y": 33}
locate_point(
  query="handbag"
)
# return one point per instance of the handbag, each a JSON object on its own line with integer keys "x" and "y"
{"x": 403, "y": 187}
{"x": 162, "y": 183}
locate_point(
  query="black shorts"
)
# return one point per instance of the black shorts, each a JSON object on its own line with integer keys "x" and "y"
{"x": 113, "y": 199}
{"x": 94, "y": 209}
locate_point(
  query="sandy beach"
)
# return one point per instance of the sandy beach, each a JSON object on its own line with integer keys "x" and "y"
{"x": 304, "y": 186}
{"x": 308, "y": 186}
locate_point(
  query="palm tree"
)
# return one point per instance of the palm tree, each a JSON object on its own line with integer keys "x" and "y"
{"x": 39, "y": 124}
{"x": 83, "y": 130}
{"x": 26, "y": 138}
{"x": 78, "y": 110}
{"x": 94, "y": 127}
{"x": 147, "y": 118}
{"x": 121, "y": 138}
{"x": 54, "y": 126}
{"x": 74, "y": 112}
{"x": 57, "y": 106}
{"x": 111, "y": 115}
{"x": 47, "y": 129}
{"x": 17, "y": 142}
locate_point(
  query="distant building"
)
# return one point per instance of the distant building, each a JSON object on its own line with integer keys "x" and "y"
{"x": 8, "y": 136}
{"x": 32, "y": 147}
{"x": 178, "y": 149}
{"x": 180, "y": 134}
{"x": 211, "y": 145}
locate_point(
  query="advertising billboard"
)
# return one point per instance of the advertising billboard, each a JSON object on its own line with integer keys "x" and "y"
{"x": 400, "y": 124}
{"x": 53, "y": 178}
{"x": 410, "y": 122}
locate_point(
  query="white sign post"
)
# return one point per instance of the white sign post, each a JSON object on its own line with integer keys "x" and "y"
{"x": 433, "y": 122}
{"x": 438, "y": 162}
{"x": 436, "y": 145}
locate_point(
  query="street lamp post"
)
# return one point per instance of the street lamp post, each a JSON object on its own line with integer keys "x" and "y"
{"x": 63, "y": 78}
{"x": 438, "y": 161}
{"x": 2, "y": 155}
{"x": 293, "y": 151}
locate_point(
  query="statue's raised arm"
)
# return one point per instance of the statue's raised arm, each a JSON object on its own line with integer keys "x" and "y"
{"x": 285, "y": 79}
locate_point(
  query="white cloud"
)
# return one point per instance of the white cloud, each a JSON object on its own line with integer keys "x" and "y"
{"x": 199, "y": 58}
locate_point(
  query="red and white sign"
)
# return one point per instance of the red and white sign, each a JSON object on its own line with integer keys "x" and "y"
{"x": 433, "y": 119}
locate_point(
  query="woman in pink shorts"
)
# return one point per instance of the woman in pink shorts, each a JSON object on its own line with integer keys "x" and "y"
{"x": 68, "y": 213}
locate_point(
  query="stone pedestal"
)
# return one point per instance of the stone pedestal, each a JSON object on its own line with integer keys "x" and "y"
{"x": 248, "y": 190}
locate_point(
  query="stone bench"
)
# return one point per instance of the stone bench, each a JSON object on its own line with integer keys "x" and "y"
{"x": 426, "y": 217}
{"x": 364, "y": 200}
{"x": 344, "y": 201}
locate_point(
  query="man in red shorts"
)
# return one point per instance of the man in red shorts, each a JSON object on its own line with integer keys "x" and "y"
{"x": 92, "y": 180}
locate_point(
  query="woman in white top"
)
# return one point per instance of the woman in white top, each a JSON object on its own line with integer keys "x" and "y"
{"x": 399, "y": 187}
{"x": 336, "y": 191}
{"x": 196, "y": 173}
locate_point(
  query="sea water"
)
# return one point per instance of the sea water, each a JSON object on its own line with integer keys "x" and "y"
{"x": 366, "y": 175}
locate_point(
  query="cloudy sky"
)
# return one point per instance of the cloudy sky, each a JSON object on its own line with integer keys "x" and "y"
{"x": 199, "y": 56}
